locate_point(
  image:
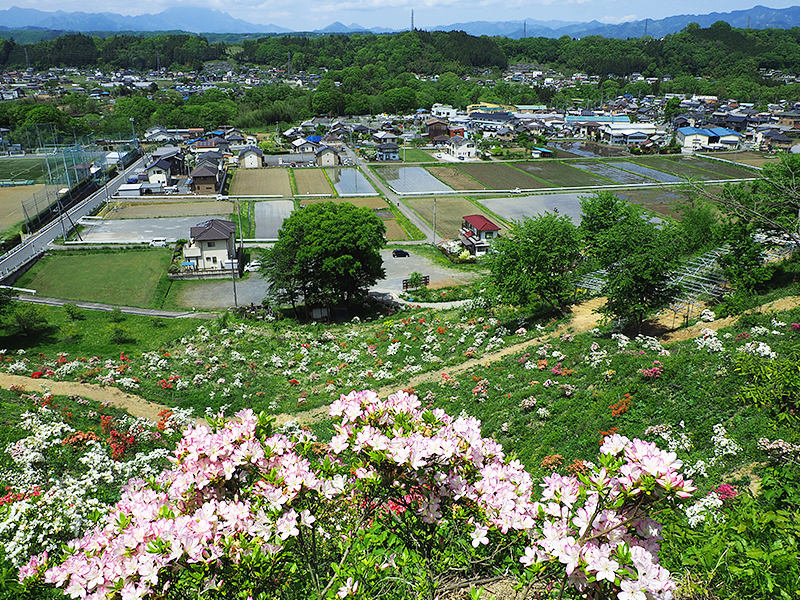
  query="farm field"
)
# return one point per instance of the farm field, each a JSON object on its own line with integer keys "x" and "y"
{"x": 501, "y": 177}
{"x": 393, "y": 231}
{"x": 684, "y": 167}
{"x": 450, "y": 213}
{"x": 753, "y": 159}
{"x": 455, "y": 178}
{"x": 584, "y": 149}
{"x": 560, "y": 174}
{"x": 727, "y": 171}
{"x": 611, "y": 172}
{"x": 257, "y": 182}
{"x": 22, "y": 168}
{"x": 311, "y": 182}
{"x": 648, "y": 172}
{"x": 373, "y": 202}
{"x": 147, "y": 210}
{"x": 406, "y": 180}
{"x": 133, "y": 280}
{"x": 350, "y": 182}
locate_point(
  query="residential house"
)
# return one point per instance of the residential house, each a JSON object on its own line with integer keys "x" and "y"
{"x": 461, "y": 148}
{"x": 332, "y": 141}
{"x": 212, "y": 245}
{"x": 303, "y": 146}
{"x": 491, "y": 121}
{"x": 435, "y": 127}
{"x": 628, "y": 133}
{"x": 789, "y": 119}
{"x": 205, "y": 179}
{"x": 387, "y": 151}
{"x": 692, "y": 139}
{"x": 251, "y": 157}
{"x": 443, "y": 111}
{"x": 159, "y": 171}
{"x": 384, "y": 137}
{"x": 476, "y": 234}
{"x": 327, "y": 157}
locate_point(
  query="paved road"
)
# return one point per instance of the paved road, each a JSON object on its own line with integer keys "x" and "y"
{"x": 130, "y": 310}
{"x": 36, "y": 244}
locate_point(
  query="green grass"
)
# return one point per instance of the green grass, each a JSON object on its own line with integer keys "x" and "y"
{"x": 123, "y": 278}
{"x": 436, "y": 256}
{"x": 22, "y": 168}
{"x": 415, "y": 155}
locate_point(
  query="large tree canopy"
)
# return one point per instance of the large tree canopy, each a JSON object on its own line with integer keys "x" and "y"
{"x": 534, "y": 261}
{"x": 327, "y": 253}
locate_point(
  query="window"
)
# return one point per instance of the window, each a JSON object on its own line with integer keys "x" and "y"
{"x": 210, "y": 244}
{"x": 214, "y": 259}
{"x": 489, "y": 235}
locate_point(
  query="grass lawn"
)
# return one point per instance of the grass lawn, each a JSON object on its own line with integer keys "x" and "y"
{"x": 22, "y": 168}
{"x": 415, "y": 155}
{"x": 123, "y": 278}
{"x": 91, "y": 335}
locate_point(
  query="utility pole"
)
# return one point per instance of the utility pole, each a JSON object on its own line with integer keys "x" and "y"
{"x": 434, "y": 222}
{"x": 233, "y": 272}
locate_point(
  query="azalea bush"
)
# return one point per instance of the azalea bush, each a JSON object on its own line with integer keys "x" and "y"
{"x": 404, "y": 499}
{"x": 235, "y": 364}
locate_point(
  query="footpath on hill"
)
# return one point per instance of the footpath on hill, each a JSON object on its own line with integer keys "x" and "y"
{"x": 583, "y": 319}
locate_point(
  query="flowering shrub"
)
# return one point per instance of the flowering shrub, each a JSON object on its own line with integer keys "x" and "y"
{"x": 399, "y": 500}
{"x": 653, "y": 372}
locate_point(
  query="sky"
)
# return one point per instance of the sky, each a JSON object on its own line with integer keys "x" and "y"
{"x": 307, "y": 15}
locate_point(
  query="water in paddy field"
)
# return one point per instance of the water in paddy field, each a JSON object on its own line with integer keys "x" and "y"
{"x": 412, "y": 179}
{"x": 350, "y": 182}
{"x": 589, "y": 149}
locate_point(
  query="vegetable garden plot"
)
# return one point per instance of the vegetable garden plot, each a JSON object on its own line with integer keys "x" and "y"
{"x": 561, "y": 174}
{"x": 648, "y": 172}
{"x": 411, "y": 180}
{"x": 350, "y": 182}
{"x": 612, "y": 173}
{"x": 501, "y": 177}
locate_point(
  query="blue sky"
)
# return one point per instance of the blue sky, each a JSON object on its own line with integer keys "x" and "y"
{"x": 305, "y": 15}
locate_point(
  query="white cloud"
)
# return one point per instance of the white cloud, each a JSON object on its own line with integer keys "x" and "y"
{"x": 615, "y": 20}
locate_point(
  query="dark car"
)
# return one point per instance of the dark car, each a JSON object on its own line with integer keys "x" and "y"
{"x": 399, "y": 253}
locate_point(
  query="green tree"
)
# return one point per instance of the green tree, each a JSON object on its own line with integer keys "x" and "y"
{"x": 638, "y": 263}
{"x": 328, "y": 253}
{"x": 27, "y": 319}
{"x": 599, "y": 214}
{"x": 535, "y": 260}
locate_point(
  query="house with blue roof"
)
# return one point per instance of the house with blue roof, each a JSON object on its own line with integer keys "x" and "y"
{"x": 693, "y": 139}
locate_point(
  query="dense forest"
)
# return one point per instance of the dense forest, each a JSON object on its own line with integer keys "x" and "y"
{"x": 369, "y": 74}
{"x": 717, "y": 51}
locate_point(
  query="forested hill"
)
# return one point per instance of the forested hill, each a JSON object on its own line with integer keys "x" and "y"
{"x": 716, "y": 51}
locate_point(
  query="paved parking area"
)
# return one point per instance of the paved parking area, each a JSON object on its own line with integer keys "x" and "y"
{"x": 205, "y": 295}
{"x": 132, "y": 231}
{"x": 270, "y": 217}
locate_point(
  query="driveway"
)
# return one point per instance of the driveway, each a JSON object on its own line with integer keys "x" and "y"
{"x": 215, "y": 294}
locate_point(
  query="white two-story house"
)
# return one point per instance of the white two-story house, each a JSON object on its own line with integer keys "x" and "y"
{"x": 211, "y": 246}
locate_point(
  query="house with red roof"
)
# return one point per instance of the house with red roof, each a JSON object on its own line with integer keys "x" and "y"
{"x": 477, "y": 233}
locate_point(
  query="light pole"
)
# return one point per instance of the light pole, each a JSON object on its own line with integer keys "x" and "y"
{"x": 233, "y": 272}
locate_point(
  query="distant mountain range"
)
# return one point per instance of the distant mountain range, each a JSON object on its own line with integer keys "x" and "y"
{"x": 196, "y": 20}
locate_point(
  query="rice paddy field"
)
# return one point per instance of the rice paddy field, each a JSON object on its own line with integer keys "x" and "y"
{"x": 311, "y": 182}
{"x": 450, "y": 213}
{"x": 455, "y": 178}
{"x": 610, "y": 172}
{"x": 501, "y": 176}
{"x": 350, "y": 182}
{"x": 559, "y": 174}
{"x": 410, "y": 180}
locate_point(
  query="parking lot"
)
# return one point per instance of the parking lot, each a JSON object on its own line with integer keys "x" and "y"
{"x": 133, "y": 231}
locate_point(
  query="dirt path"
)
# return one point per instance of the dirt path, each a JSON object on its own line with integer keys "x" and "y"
{"x": 584, "y": 318}
{"x": 138, "y": 407}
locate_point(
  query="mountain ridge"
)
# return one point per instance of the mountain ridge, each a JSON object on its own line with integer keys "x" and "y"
{"x": 196, "y": 20}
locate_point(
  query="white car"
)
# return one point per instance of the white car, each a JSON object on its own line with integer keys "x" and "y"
{"x": 253, "y": 265}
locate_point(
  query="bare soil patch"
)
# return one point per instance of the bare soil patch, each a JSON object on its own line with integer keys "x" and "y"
{"x": 311, "y": 181}
{"x": 261, "y": 182}
{"x": 501, "y": 177}
{"x": 393, "y": 230}
{"x": 11, "y": 199}
{"x": 147, "y": 210}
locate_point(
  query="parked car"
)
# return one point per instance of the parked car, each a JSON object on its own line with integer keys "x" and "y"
{"x": 399, "y": 253}
{"x": 158, "y": 243}
{"x": 253, "y": 265}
